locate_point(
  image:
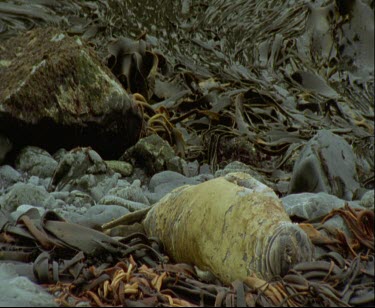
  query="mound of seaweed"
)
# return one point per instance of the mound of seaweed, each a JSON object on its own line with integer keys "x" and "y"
{"x": 233, "y": 80}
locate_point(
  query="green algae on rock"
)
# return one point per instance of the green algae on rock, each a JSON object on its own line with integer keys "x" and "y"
{"x": 54, "y": 89}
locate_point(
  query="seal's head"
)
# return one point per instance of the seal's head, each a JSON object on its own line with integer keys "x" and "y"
{"x": 288, "y": 246}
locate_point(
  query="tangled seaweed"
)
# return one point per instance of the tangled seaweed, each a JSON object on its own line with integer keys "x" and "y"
{"x": 220, "y": 82}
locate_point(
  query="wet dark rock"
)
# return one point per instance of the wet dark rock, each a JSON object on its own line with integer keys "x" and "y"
{"x": 59, "y": 154}
{"x": 36, "y": 161}
{"x": 5, "y": 147}
{"x": 326, "y": 164}
{"x": 55, "y": 92}
{"x": 155, "y": 155}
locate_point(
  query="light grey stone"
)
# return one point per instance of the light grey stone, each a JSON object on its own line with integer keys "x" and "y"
{"x": 22, "y": 209}
{"x": 36, "y": 161}
{"x": 21, "y": 193}
{"x": 103, "y": 185}
{"x": 51, "y": 203}
{"x": 33, "y": 180}
{"x": 16, "y": 291}
{"x": 191, "y": 169}
{"x": 63, "y": 195}
{"x": 130, "y": 205}
{"x": 237, "y": 166}
{"x": 8, "y": 176}
{"x": 367, "y": 200}
{"x": 98, "y": 214}
{"x": 79, "y": 199}
{"x": 164, "y": 182}
{"x": 177, "y": 164}
{"x": 313, "y": 205}
{"x": 131, "y": 192}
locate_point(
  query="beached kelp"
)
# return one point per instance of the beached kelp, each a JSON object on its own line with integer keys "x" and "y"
{"x": 245, "y": 80}
{"x": 262, "y": 86}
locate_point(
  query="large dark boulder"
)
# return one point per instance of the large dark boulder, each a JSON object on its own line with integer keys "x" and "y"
{"x": 55, "y": 92}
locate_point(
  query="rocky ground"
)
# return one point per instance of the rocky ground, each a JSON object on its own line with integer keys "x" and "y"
{"x": 85, "y": 189}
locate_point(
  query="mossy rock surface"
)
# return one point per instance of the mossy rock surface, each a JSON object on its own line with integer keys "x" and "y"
{"x": 55, "y": 89}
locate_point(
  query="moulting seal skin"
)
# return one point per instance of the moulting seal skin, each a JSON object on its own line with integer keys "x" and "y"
{"x": 232, "y": 226}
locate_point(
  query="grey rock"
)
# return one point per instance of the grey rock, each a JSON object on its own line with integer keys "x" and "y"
{"x": 21, "y": 193}
{"x": 83, "y": 169}
{"x": 103, "y": 185}
{"x": 22, "y": 209}
{"x": 70, "y": 215}
{"x": 45, "y": 182}
{"x": 154, "y": 154}
{"x": 5, "y": 147}
{"x": 71, "y": 98}
{"x": 96, "y": 215}
{"x": 59, "y": 154}
{"x": 164, "y": 182}
{"x": 51, "y": 203}
{"x": 138, "y": 174}
{"x": 62, "y": 195}
{"x": 313, "y": 205}
{"x": 71, "y": 212}
{"x": 131, "y": 192}
{"x": 33, "y": 180}
{"x": 237, "y": 166}
{"x": 124, "y": 183}
{"x": 192, "y": 169}
{"x": 79, "y": 199}
{"x": 8, "y": 176}
{"x": 101, "y": 214}
{"x": 36, "y": 161}
{"x": 16, "y": 291}
{"x": 124, "y": 168}
{"x": 326, "y": 164}
{"x": 73, "y": 165}
{"x": 130, "y": 205}
{"x": 205, "y": 169}
{"x": 367, "y": 200}
{"x": 177, "y": 164}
